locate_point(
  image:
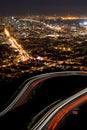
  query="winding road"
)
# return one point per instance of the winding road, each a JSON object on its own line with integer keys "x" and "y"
{"x": 26, "y": 88}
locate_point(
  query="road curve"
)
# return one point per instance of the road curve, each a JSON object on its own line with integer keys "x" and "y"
{"x": 26, "y": 88}
{"x": 53, "y": 117}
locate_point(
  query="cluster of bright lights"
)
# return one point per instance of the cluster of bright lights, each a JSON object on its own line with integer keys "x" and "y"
{"x": 84, "y": 23}
{"x": 69, "y": 18}
{"x": 39, "y": 58}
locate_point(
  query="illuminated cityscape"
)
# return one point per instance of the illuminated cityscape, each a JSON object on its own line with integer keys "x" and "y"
{"x": 43, "y": 64}
{"x": 37, "y": 43}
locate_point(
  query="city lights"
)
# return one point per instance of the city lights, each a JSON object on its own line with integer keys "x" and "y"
{"x": 30, "y": 44}
{"x": 14, "y": 44}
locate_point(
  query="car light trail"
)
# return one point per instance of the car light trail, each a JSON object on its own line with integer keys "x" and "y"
{"x": 57, "y": 118}
{"x": 14, "y": 44}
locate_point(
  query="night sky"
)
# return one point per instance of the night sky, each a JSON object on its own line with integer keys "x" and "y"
{"x": 60, "y": 7}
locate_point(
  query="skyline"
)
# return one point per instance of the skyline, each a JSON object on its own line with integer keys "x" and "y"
{"x": 44, "y": 7}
